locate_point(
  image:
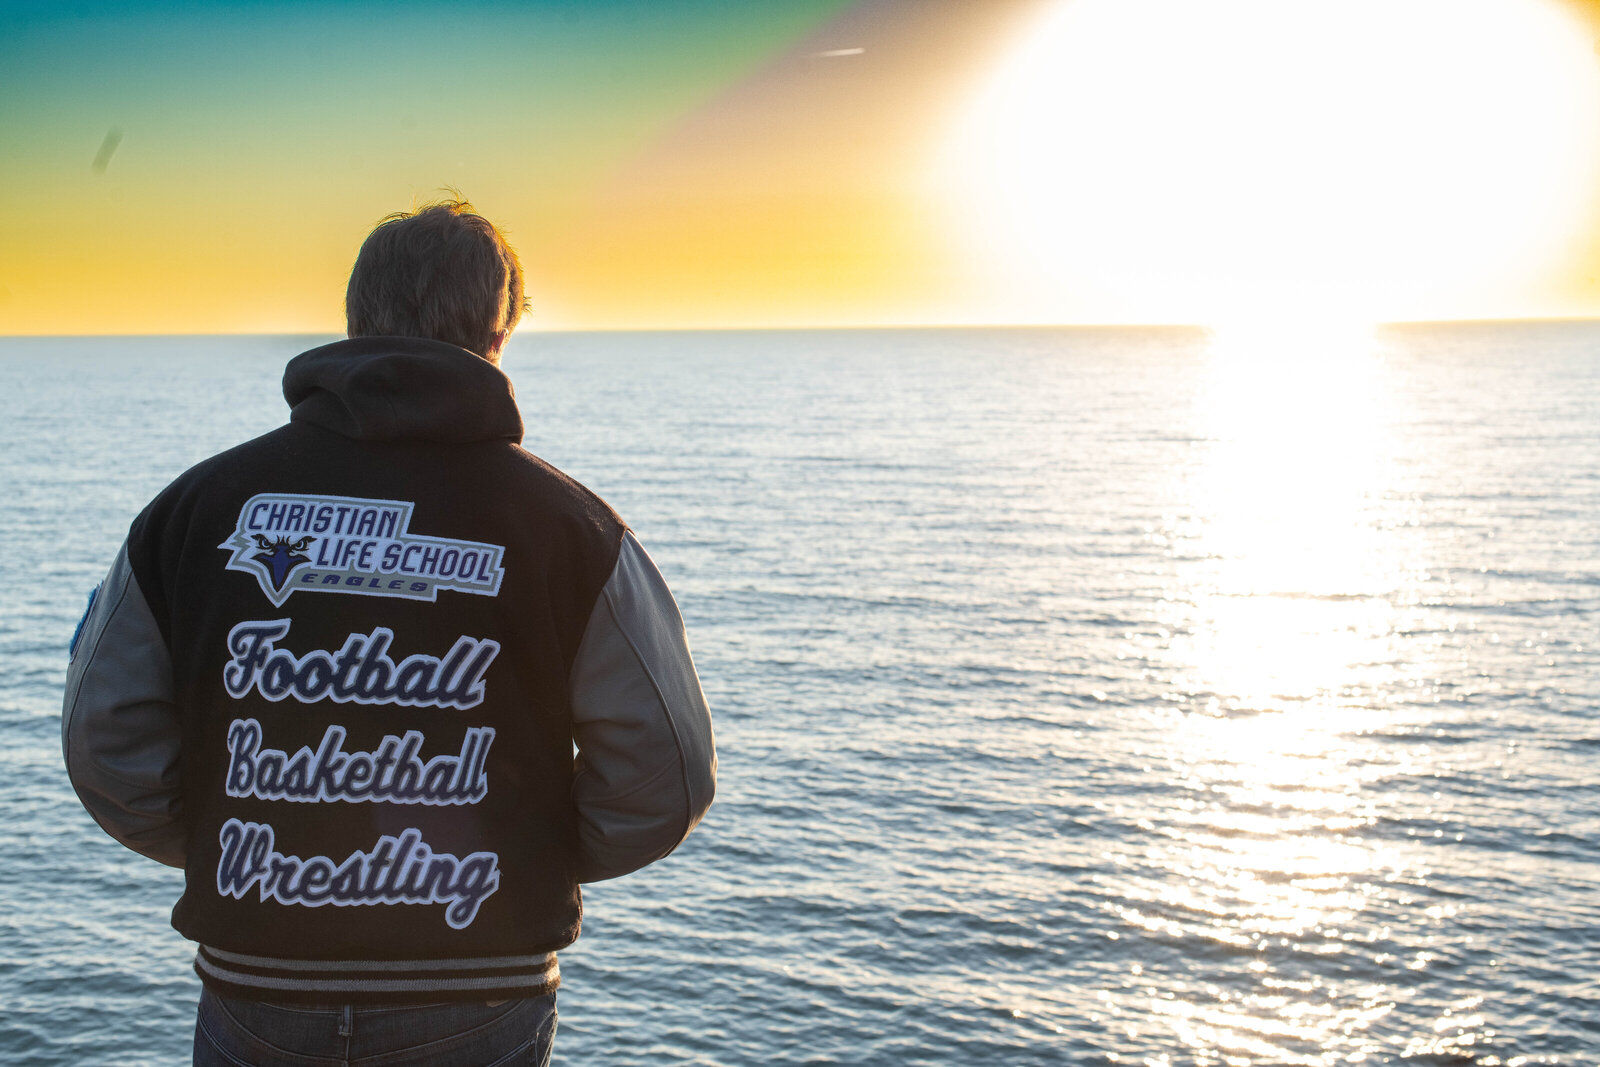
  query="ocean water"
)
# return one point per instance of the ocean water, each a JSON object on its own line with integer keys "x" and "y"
{"x": 1083, "y": 696}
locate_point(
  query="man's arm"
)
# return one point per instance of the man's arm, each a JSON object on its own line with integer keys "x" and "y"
{"x": 119, "y": 725}
{"x": 647, "y": 762}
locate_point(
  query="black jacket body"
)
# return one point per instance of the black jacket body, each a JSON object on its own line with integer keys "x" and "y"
{"x": 374, "y": 615}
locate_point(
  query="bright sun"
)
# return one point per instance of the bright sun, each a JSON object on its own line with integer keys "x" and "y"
{"x": 1167, "y": 160}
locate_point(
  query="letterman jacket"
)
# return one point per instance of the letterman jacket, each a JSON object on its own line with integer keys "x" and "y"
{"x": 337, "y": 674}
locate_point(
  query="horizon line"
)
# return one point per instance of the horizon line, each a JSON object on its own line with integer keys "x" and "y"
{"x": 843, "y": 327}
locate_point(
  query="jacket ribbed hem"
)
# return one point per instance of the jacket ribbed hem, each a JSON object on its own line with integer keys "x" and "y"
{"x": 236, "y": 974}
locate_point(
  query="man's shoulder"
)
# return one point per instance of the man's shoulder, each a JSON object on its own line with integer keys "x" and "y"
{"x": 229, "y": 464}
{"x": 559, "y": 494}
{"x": 542, "y": 474}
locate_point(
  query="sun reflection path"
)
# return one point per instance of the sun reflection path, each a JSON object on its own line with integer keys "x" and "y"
{"x": 1294, "y": 589}
{"x": 1282, "y": 654}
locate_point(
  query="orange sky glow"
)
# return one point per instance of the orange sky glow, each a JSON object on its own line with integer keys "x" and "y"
{"x": 824, "y": 163}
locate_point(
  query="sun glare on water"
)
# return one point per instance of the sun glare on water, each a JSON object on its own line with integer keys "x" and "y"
{"x": 1289, "y": 592}
{"x": 1288, "y": 174}
{"x": 1164, "y": 160}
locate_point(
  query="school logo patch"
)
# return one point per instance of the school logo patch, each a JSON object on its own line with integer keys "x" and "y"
{"x": 341, "y": 544}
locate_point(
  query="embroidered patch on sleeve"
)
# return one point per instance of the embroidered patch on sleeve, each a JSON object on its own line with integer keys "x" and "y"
{"x": 342, "y": 544}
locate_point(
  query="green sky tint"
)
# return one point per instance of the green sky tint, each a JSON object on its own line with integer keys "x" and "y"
{"x": 283, "y": 131}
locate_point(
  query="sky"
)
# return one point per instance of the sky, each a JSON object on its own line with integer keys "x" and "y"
{"x": 210, "y": 168}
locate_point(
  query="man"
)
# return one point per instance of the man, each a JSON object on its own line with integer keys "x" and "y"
{"x": 337, "y": 674}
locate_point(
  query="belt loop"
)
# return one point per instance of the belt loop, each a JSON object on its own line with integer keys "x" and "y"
{"x": 345, "y": 1021}
{"x": 346, "y": 1025}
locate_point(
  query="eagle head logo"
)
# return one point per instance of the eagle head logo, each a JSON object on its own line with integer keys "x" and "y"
{"x": 281, "y": 556}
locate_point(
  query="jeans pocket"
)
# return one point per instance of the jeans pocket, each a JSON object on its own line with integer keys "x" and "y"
{"x": 534, "y": 1048}
{"x": 544, "y": 1042}
{"x": 223, "y": 1039}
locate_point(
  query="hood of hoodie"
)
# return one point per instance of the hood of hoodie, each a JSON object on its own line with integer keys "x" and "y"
{"x": 402, "y": 388}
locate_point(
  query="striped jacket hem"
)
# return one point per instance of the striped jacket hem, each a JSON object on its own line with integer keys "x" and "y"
{"x": 371, "y": 981}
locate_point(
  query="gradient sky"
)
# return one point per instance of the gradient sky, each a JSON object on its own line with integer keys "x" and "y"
{"x": 171, "y": 167}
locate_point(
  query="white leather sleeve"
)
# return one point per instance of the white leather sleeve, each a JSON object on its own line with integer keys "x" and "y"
{"x": 119, "y": 725}
{"x": 646, "y": 764}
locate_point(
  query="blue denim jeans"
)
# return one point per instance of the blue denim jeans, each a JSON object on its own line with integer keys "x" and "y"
{"x": 236, "y": 1033}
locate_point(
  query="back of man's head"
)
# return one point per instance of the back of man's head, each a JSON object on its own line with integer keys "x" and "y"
{"x": 441, "y": 272}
